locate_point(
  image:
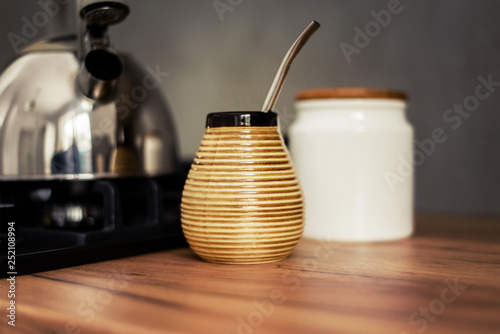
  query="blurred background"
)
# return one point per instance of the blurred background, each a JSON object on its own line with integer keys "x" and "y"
{"x": 223, "y": 55}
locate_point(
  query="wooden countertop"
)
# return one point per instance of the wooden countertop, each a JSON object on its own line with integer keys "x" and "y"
{"x": 446, "y": 279}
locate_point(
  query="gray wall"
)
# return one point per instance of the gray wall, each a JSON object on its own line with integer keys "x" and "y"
{"x": 435, "y": 50}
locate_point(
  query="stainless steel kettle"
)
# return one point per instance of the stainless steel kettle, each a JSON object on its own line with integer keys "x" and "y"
{"x": 75, "y": 108}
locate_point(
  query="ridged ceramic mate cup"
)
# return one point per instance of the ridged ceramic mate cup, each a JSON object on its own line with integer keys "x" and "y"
{"x": 242, "y": 202}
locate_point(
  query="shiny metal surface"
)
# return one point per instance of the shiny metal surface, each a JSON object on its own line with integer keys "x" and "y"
{"x": 279, "y": 79}
{"x": 51, "y": 127}
{"x": 103, "y": 13}
{"x": 98, "y": 77}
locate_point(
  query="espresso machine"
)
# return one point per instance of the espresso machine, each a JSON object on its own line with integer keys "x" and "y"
{"x": 89, "y": 168}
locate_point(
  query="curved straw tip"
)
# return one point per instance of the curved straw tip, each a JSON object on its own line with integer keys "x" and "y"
{"x": 313, "y": 26}
{"x": 275, "y": 88}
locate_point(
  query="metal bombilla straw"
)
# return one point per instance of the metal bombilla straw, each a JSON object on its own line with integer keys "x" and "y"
{"x": 275, "y": 88}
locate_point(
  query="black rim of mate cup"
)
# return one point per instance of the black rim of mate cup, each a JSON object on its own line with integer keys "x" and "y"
{"x": 241, "y": 118}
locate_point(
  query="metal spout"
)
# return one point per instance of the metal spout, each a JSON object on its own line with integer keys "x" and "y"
{"x": 101, "y": 67}
{"x": 99, "y": 74}
{"x": 96, "y": 17}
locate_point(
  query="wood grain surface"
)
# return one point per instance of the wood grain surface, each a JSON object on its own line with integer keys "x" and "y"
{"x": 446, "y": 279}
{"x": 350, "y": 93}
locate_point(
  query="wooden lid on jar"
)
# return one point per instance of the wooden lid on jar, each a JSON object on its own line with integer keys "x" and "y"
{"x": 350, "y": 93}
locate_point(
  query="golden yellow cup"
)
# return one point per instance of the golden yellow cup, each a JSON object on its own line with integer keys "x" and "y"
{"x": 242, "y": 202}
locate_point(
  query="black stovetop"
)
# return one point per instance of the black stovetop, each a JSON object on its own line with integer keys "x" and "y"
{"x": 58, "y": 224}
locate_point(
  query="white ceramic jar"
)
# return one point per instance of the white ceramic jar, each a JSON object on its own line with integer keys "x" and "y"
{"x": 353, "y": 150}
